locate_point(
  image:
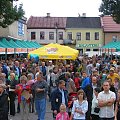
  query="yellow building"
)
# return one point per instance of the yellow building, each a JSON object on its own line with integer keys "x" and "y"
{"x": 86, "y": 32}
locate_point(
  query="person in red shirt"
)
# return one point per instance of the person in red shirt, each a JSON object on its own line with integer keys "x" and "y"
{"x": 77, "y": 80}
{"x": 23, "y": 92}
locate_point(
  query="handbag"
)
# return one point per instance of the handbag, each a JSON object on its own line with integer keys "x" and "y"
{"x": 96, "y": 109}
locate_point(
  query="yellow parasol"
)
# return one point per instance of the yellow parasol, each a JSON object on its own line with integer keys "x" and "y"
{"x": 55, "y": 51}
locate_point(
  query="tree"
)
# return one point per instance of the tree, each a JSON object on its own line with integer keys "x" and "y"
{"x": 111, "y": 7}
{"x": 9, "y": 13}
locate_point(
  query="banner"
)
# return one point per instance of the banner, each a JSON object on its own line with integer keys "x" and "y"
{"x": 30, "y": 49}
{"x": 11, "y": 50}
{"x": 87, "y": 45}
{"x": 18, "y": 50}
{"x": 106, "y": 50}
{"x": 24, "y": 50}
{"x": 2, "y": 49}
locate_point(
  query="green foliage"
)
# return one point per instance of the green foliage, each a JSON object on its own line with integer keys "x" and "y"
{"x": 8, "y": 13}
{"x": 111, "y": 7}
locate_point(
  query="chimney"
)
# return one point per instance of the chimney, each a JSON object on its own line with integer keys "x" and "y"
{"x": 48, "y": 14}
{"x": 84, "y": 15}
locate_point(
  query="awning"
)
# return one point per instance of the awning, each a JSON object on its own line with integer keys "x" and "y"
{"x": 27, "y": 44}
{"x": 7, "y": 44}
{"x": 4, "y": 43}
{"x": 34, "y": 44}
{"x": 14, "y": 44}
{"x": 37, "y": 44}
{"x": 113, "y": 45}
{"x": 31, "y": 44}
{"x": 21, "y": 44}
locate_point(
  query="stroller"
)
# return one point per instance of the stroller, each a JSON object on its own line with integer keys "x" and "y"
{"x": 71, "y": 97}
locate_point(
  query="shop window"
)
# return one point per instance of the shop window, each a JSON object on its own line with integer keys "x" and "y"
{"x": 42, "y": 35}
{"x": 95, "y": 49}
{"x": 87, "y": 35}
{"x": 60, "y": 35}
{"x": 33, "y": 35}
{"x": 87, "y": 49}
{"x": 51, "y": 35}
{"x": 78, "y": 36}
{"x": 81, "y": 51}
{"x": 96, "y": 35}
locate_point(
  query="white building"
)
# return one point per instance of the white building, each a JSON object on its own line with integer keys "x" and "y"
{"x": 45, "y": 30}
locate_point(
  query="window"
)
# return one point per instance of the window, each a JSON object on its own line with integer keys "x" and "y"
{"x": 42, "y": 35}
{"x": 69, "y": 36}
{"x": 51, "y": 35}
{"x": 81, "y": 51}
{"x": 96, "y": 35}
{"x": 114, "y": 38}
{"x": 87, "y": 49}
{"x": 87, "y": 35}
{"x": 33, "y": 35}
{"x": 78, "y": 36}
{"x": 95, "y": 49}
{"x": 60, "y": 36}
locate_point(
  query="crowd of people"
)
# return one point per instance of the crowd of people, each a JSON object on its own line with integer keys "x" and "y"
{"x": 95, "y": 81}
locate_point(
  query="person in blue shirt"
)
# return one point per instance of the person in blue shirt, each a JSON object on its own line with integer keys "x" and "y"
{"x": 87, "y": 87}
{"x": 85, "y": 81}
{"x": 43, "y": 68}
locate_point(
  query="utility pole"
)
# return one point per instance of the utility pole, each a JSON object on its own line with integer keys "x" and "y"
{"x": 56, "y": 27}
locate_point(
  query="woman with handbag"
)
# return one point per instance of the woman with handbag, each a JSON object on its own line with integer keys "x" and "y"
{"x": 95, "y": 108}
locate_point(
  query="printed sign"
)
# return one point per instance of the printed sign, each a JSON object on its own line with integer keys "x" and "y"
{"x": 20, "y": 28}
{"x": 52, "y": 50}
{"x": 87, "y": 45}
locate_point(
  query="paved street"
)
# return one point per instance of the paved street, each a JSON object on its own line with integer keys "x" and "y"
{"x": 34, "y": 117}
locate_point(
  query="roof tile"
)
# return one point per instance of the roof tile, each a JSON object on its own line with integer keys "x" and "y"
{"x": 46, "y": 22}
{"x": 109, "y": 25}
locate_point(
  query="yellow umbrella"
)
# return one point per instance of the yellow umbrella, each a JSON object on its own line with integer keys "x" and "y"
{"x": 55, "y": 51}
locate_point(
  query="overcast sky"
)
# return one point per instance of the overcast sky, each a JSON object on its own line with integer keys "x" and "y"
{"x": 61, "y": 8}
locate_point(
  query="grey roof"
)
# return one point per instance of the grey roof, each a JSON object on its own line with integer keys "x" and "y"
{"x": 83, "y": 22}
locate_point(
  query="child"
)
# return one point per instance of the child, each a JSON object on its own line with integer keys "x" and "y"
{"x": 63, "y": 115}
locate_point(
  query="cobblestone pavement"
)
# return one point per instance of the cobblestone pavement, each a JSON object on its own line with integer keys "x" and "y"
{"x": 33, "y": 116}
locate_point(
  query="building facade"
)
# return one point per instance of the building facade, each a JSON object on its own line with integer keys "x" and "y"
{"x": 110, "y": 28}
{"x": 17, "y": 30}
{"x": 86, "y": 31}
{"x": 46, "y": 29}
